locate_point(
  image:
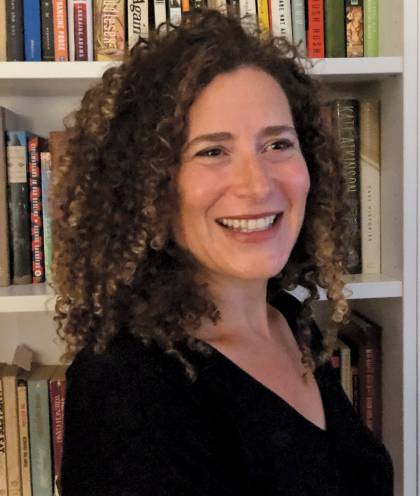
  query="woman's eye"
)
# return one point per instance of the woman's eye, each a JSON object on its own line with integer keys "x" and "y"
{"x": 210, "y": 152}
{"x": 283, "y": 144}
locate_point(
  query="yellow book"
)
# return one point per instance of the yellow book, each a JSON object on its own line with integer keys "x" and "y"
{"x": 263, "y": 15}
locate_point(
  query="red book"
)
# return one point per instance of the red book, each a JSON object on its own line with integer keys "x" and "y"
{"x": 35, "y": 146}
{"x": 315, "y": 31}
{"x": 61, "y": 49}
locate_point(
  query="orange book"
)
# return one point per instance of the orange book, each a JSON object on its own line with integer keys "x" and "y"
{"x": 315, "y": 31}
{"x": 61, "y": 47}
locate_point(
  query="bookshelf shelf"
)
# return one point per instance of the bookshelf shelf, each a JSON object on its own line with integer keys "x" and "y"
{"x": 73, "y": 78}
{"x": 40, "y": 298}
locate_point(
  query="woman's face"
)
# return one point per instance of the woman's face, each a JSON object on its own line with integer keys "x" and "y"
{"x": 243, "y": 181}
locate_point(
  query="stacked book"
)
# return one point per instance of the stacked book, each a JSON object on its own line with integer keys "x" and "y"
{"x": 31, "y": 429}
{"x": 25, "y": 221}
{"x": 60, "y": 30}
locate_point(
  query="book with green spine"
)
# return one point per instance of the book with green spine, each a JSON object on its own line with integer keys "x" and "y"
{"x": 335, "y": 28}
{"x": 371, "y": 22}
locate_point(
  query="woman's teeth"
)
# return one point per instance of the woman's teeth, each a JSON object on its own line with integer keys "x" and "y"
{"x": 248, "y": 225}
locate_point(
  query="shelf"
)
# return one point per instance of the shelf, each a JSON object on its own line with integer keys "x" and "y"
{"x": 40, "y": 298}
{"x": 73, "y": 78}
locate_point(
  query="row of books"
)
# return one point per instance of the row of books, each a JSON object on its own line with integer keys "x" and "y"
{"x": 60, "y": 30}
{"x": 356, "y": 126}
{"x": 25, "y": 221}
{"x": 31, "y": 429}
{"x": 357, "y": 362}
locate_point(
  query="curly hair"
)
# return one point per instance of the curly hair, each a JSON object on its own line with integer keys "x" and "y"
{"x": 116, "y": 266}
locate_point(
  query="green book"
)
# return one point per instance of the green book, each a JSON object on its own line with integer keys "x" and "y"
{"x": 335, "y": 32}
{"x": 371, "y": 43}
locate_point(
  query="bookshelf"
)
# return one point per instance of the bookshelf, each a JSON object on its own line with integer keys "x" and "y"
{"x": 43, "y": 92}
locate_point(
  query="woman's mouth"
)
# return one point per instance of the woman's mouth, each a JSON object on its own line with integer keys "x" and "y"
{"x": 241, "y": 225}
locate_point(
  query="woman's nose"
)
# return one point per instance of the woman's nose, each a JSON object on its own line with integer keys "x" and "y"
{"x": 252, "y": 177}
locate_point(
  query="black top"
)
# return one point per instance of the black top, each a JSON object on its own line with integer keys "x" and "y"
{"x": 136, "y": 426}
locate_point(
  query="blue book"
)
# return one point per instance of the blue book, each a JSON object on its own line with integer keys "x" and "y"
{"x": 32, "y": 29}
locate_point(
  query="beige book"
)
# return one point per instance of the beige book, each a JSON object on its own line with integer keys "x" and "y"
{"x": 109, "y": 29}
{"x": 3, "y": 468}
{"x": 14, "y": 481}
{"x": 25, "y": 459}
{"x": 370, "y": 207}
{"x": 346, "y": 376}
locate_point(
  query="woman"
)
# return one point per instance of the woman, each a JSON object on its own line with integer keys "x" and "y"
{"x": 199, "y": 184}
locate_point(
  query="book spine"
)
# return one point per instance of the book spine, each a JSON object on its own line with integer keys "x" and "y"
{"x": 80, "y": 30}
{"x": 138, "y": 20}
{"x": 46, "y": 219}
{"x": 18, "y": 207}
{"x": 32, "y": 30}
{"x": 263, "y": 15}
{"x": 299, "y": 25}
{"x": 109, "y": 29}
{"x": 39, "y": 427}
{"x": 247, "y": 7}
{"x": 160, "y": 12}
{"x": 347, "y": 119}
{"x": 25, "y": 461}
{"x": 370, "y": 183}
{"x": 61, "y": 48}
{"x": 14, "y": 33}
{"x": 315, "y": 33}
{"x": 346, "y": 377}
{"x": 35, "y": 205}
{"x": 355, "y": 375}
{"x": 57, "y": 399}
{"x": 335, "y": 32}
{"x": 47, "y": 30}
{"x": 3, "y": 467}
{"x": 4, "y": 223}
{"x": 14, "y": 482}
{"x": 281, "y": 19}
{"x": 3, "y": 33}
{"x": 371, "y": 28}
{"x": 354, "y": 28}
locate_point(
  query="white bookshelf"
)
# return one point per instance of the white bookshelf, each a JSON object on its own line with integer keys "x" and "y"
{"x": 42, "y": 93}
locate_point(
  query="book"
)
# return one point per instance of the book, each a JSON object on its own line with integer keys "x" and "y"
{"x": 370, "y": 186}
{"x": 174, "y": 11}
{"x": 47, "y": 30}
{"x": 138, "y": 20}
{"x": 14, "y": 33}
{"x": 371, "y": 28}
{"x": 18, "y": 207}
{"x": 57, "y": 400}
{"x": 8, "y": 120}
{"x": 39, "y": 427}
{"x": 281, "y": 19}
{"x": 315, "y": 30}
{"x": 80, "y": 29}
{"x": 46, "y": 164}
{"x": 11, "y": 424}
{"x": 3, "y": 467}
{"x": 263, "y": 15}
{"x": 3, "y": 35}
{"x": 335, "y": 28}
{"x": 248, "y": 7}
{"x": 159, "y": 13}
{"x": 346, "y": 125}
{"x": 346, "y": 377}
{"x": 364, "y": 338}
{"x": 25, "y": 460}
{"x": 61, "y": 48}
{"x": 35, "y": 146}
{"x": 354, "y": 28}
{"x": 32, "y": 30}
{"x": 299, "y": 25}
{"x": 109, "y": 29}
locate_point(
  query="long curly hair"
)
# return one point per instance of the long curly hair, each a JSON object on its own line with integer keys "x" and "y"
{"x": 116, "y": 267}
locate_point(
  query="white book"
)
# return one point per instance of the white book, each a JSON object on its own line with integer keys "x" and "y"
{"x": 160, "y": 12}
{"x": 137, "y": 21}
{"x": 370, "y": 186}
{"x": 80, "y": 29}
{"x": 298, "y": 25}
{"x": 248, "y": 7}
{"x": 281, "y": 19}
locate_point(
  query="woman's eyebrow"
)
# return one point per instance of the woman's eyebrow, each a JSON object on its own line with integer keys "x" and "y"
{"x": 275, "y": 130}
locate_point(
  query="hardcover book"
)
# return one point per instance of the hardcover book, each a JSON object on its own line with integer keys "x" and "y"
{"x": 11, "y": 423}
{"x": 14, "y": 34}
{"x": 47, "y": 30}
{"x": 263, "y": 15}
{"x": 370, "y": 186}
{"x": 61, "y": 48}
{"x": 138, "y": 19}
{"x": 109, "y": 29}
{"x": 3, "y": 467}
{"x": 281, "y": 19}
{"x": 39, "y": 427}
{"x": 174, "y": 11}
{"x": 25, "y": 460}
{"x": 299, "y": 25}
{"x": 32, "y": 30}
{"x": 315, "y": 31}
{"x": 159, "y": 11}
{"x": 371, "y": 28}
{"x": 3, "y": 35}
{"x": 80, "y": 26}
{"x": 46, "y": 218}
{"x": 335, "y": 28}
{"x": 18, "y": 207}
{"x": 354, "y": 28}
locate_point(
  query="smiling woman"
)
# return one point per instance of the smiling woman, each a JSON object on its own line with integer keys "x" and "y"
{"x": 199, "y": 185}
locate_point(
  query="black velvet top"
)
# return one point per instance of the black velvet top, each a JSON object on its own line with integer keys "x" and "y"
{"x": 136, "y": 426}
